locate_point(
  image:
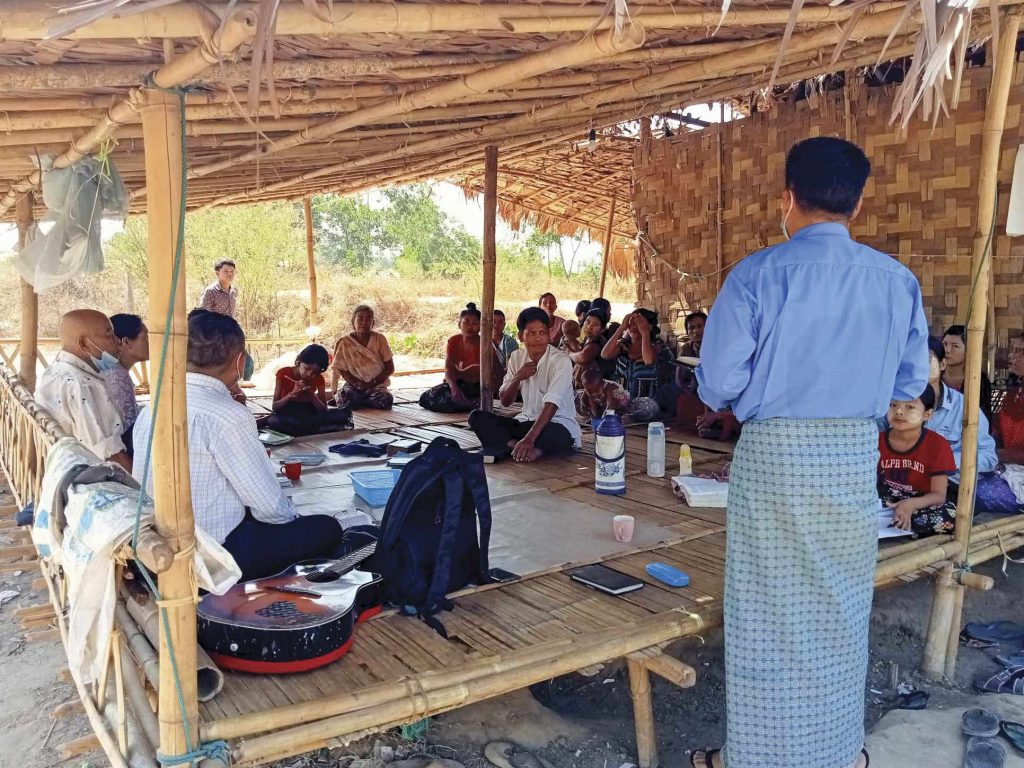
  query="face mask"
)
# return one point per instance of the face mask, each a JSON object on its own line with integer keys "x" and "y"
{"x": 933, "y": 370}
{"x": 785, "y": 231}
{"x": 105, "y": 361}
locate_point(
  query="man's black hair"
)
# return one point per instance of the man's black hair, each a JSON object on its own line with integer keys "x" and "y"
{"x": 827, "y": 174}
{"x": 958, "y": 331}
{"x": 126, "y": 326}
{"x": 213, "y": 339}
{"x": 500, "y": 313}
{"x": 530, "y": 314}
{"x": 935, "y": 346}
{"x": 220, "y": 264}
{"x": 545, "y": 294}
{"x": 314, "y": 354}
{"x": 582, "y": 307}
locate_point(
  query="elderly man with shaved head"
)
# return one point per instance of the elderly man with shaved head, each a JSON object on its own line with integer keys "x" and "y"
{"x": 74, "y": 391}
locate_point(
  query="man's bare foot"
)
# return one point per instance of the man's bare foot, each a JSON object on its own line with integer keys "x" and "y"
{"x": 533, "y": 455}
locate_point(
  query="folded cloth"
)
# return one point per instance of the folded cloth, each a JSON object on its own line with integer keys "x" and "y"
{"x": 1014, "y": 476}
{"x": 359, "y": 448}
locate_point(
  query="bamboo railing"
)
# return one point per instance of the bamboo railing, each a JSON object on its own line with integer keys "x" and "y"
{"x": 26, "y": 433}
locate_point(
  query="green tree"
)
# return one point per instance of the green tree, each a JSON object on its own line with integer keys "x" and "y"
{"x": 423, "y": 235}
{"x": 350, "y": 233}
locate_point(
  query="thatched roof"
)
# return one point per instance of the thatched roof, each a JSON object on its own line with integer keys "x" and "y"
{"x": 367, "y": 94}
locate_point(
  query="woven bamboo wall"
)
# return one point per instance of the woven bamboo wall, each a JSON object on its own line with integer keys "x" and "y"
{"x": 919, "y": 203}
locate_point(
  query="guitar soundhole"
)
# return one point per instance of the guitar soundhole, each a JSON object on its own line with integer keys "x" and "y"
{"x": 321, "y": 577}
{"x": 282, "y": 609}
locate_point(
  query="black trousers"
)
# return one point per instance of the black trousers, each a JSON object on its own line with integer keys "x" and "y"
{"x": 496, "y": 431}
{"x": 299, "y": 419}
{"x": 265, "y": 549}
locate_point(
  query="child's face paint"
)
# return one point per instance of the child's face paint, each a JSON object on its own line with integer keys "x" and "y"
{"x": 907, "y": 414}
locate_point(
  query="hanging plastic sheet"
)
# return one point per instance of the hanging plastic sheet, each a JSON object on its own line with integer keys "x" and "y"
{"x": 78, "y": 198}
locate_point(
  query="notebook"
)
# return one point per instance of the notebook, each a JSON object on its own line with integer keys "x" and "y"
{"x": 701, "y": 491}
{"x": 605, "y": 579}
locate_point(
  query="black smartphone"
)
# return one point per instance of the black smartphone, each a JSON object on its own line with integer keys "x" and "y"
{"x": 501, "y": 576}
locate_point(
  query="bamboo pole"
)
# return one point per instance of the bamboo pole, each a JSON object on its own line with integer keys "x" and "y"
{"x": 314, "y": 312}
{"x": 172, "y": 494}
{"x": 29, "y": 301}
{"x": 484, "y": 79}
{"x": 643, "y": 713}
{"x": 23, "y": 20}
{"x": 236, "y": 30}
{"x": 490, "y": 265}
{"x": 606, "y": 256}
{"x": 949, "y": 593}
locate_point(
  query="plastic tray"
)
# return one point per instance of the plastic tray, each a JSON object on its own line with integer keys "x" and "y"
{"x": 375, "y": 487}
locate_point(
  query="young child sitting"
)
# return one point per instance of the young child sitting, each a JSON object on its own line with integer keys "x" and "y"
{"x": 300, "y": 397}
{"x": 914, "y": 466}
{"x": 599, "y": 395}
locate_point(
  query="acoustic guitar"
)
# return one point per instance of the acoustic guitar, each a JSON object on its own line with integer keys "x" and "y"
{"x": 300, "y": 619}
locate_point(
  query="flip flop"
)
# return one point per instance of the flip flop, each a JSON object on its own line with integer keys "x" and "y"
{"x": 505, "y": 754}
{"x": 996, "y": 631}
{"x": 983, "y": 753}
{"x": 981, "y": 723}
{"x": 1010, "y": 680}
{"x": 913, "y": 700}
{"x": 1013, "y": 660}
{"x": 1013, "y": 733}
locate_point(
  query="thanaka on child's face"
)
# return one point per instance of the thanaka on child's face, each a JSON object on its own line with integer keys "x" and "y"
{"x": 535, "y": 337}
{"x": 308, "y": 371}
{"x": 908, "y": 414}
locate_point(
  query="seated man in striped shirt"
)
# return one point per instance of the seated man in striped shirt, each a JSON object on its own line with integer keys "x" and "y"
{"x": 235, "y": 493}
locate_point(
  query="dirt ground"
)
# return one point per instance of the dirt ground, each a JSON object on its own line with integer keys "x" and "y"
{"x": 573, "y": 721}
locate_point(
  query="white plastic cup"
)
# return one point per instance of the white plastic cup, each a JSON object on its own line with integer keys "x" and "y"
{"x": 623, "y": 527}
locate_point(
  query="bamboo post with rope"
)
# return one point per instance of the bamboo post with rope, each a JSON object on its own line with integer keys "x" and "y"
{"x": 172, "y": 486}
{"x": 489, "y": 269}
{"x": 314, "y": 310}
{"x": 607, "y": 244}
{"x": 29, "y": 300}
{"x": 941, "y": 644}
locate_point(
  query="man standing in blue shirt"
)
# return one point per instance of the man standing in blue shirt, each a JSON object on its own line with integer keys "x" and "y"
{"x": 807, "y": 342}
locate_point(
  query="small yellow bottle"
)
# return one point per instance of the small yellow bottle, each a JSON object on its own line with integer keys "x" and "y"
{"x": 685, "y": 460}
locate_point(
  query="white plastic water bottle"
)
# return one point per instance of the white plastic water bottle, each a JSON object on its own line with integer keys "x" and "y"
{"x": 655, "y": 449}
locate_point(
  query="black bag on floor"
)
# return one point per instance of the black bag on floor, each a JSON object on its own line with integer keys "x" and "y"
{"x": 428, "y": 544}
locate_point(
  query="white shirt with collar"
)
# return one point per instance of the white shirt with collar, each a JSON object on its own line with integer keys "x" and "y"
{"x": 552, "y": 383}
{"x": 228, "y": 465}
{"x": 77, "y": 396}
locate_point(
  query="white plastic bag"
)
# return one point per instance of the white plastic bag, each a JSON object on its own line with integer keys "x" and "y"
{"x": 78, "y": 197}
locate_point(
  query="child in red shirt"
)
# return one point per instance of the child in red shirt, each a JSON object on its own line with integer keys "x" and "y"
{"x": 300, "y": 397}
{"x": 914, "y": 466}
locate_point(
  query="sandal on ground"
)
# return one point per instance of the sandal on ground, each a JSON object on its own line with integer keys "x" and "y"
{"x": 1013, "y": 733}
{"x": 984, "y": 753}
{"x": 980, "y": 722}
{"x": 913, "y": 700}
{"x": 505, "y": 754}
{"x": 996, "y": 631}
{"x": 1012, "y": 660}
{"x": 1009, "y": 680}
{"x": 707, "y": 762}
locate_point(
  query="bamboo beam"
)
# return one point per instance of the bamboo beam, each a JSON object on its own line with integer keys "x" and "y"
{"x": 29, "y": 302}
{"x": 948, "y": 592}
{"x": 314, "y": 314}
{"x": 643, "y": 713}
{"x": 24, "y": 20}
{"x": 172, "y": 485}
{"x": 873, "y": 24}
{"x": 236, "y": 31}
{"x": 485, "y": 79}
{"x": 490, "y": 261}
{"x": 606, "y": 257}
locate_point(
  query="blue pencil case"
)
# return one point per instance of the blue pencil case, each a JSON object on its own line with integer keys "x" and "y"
{"x": 667, "y": 574}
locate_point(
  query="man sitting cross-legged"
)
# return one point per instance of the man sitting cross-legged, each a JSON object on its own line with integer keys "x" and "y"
{"x": 235, "y": 493}
{"x": 544, "y": 376}
{"x": 74, "y": 391}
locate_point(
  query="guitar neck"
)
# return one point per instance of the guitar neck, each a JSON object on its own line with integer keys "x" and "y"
{"x": 351, "y": 560}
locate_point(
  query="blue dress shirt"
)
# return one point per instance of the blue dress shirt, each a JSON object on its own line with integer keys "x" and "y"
{"x": 819, "y": 327}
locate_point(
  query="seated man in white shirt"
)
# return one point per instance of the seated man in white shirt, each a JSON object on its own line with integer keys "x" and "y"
{"x": 73, "y": 389}
{"x": 543, "y": 374}
{"x": 236, "y": 497}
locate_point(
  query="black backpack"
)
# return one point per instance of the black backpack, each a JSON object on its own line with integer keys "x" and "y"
{"x": 428, "y": 541}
